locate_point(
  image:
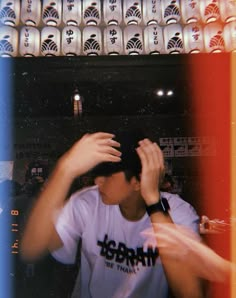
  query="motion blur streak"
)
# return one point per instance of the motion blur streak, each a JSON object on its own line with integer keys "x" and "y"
{"x": 180, "y": 244}
{"x": 233, "y": 169}
{"x": 6, "y": 121}
{"x": 210, "y": 76}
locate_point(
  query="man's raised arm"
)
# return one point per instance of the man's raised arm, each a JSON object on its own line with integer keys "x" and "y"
{"x": 181, "y": 280}
{"x": 40, "y": 234}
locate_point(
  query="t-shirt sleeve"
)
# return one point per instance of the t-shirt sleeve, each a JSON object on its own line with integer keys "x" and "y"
{"x": 182, "y": 213}
{"x": 69, "y": 224}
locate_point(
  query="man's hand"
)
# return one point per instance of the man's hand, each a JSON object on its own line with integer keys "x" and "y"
{"x": 152, "y": 161}
{"x": 212, "y": 226}
{"x": 178, "y": 243}
{"x": 89, "y": 151}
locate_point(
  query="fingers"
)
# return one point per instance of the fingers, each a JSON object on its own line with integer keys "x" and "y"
{"x": 150, "y": 154}
{"x": 110, "y": 158}
{"x": 109, "y": 143}
{"x": 144, "y": 151}
{"x": 102, "y": 138}
{"x": 102, "y": 135}
{"x": 112, "y": 151}
{"x": 104, "y": 143}
{"x": 105, "y": 138}
{"x": 107, "y": 146}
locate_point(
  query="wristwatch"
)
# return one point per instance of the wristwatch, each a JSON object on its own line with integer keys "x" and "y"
{"x": 161, "y": 206}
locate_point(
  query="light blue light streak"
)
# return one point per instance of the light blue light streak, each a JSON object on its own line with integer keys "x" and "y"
{"x": 6, "y": 269}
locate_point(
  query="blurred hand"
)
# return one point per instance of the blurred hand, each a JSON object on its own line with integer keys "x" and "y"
{"x": 178, "y": 243}
{"x": 89, "y": 151}
{"x": 212, "y": 226}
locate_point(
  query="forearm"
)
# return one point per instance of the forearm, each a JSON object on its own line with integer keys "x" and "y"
{"x": 40, "y": 226}
{"x": 182, "y": 282}
{"x": 181, "y": 279}
{"x": 86, "y": 153}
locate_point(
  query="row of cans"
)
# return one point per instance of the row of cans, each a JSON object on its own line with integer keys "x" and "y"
{"x": 154, "y": 39}
{"x": 114, "y": 12}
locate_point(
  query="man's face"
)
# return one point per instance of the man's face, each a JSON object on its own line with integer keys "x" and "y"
{"x": 115, "y": 189}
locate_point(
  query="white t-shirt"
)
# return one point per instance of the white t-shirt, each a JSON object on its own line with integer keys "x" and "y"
{"x": 116, "y": 261}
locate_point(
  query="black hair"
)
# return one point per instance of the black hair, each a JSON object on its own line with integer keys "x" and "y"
{"x": 130, "y": 162}
{"x": 129, "y": 174}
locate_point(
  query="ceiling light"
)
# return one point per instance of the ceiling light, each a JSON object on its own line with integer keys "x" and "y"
{"x": 169, "y": 93}
{"x": 77, "y": 103}
{"x": 160, "y": 92}
{"x": 77, "y": 97}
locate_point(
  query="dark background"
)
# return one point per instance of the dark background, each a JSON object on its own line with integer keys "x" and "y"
{"x": 116, "y": 91}
{"x": 110, "y": 86}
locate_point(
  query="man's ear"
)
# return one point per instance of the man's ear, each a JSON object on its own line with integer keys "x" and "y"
{"x": 136, "y": 183}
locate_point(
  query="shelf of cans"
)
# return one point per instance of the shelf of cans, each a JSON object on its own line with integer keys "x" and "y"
{"x": 32, "y": 28}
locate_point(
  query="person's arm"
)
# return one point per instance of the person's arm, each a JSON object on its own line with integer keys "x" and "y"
{"x": 40, "y": 234}
{"x": 182, "y": 282}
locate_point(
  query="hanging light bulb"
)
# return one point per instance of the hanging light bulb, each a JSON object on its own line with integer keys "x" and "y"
{"x": 77, "y": 103}
{"x": 77, "y": 97}
{"x": 160, "y": 92}
{"x": 169, "y": 93}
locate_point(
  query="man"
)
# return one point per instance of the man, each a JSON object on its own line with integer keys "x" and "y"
{"x": 109, "y": 219}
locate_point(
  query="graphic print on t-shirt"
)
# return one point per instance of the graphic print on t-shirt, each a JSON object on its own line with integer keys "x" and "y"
{"x": 122, "y": 258}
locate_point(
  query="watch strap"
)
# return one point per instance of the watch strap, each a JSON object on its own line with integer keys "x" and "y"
{"x": 161, "y": 206}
